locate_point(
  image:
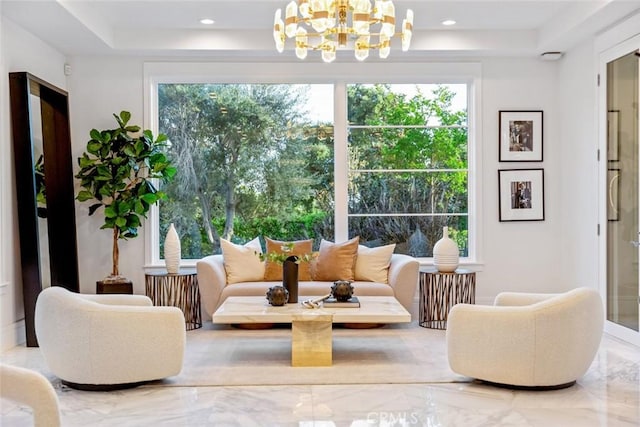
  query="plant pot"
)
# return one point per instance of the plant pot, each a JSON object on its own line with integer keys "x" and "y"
{"x": 120, "y": 285}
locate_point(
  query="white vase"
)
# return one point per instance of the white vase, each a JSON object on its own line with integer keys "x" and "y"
{"x": 446, "y": 255}
{"x": 172, "y": 250}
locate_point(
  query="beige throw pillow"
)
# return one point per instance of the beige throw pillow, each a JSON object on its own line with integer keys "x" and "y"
{"x": 241, "y": 262}
{"x": 273, "y": 270}
{"x": 336, "y": 261}
{"x": 372, "y": 264}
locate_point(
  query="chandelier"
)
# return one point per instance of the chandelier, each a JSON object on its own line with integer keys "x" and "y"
{"x": 335, "y": 24}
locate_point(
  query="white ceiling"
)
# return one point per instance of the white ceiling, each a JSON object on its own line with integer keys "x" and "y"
{"x": 243, "y": 27}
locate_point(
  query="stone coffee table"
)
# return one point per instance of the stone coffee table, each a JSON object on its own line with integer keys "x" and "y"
{"x": 311, "y": 329}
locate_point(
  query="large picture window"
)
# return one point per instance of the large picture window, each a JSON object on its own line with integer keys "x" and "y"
{"x": 389, "y": 162}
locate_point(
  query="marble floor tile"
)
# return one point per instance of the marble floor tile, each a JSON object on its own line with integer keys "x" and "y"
{"x": 607, "y": 396}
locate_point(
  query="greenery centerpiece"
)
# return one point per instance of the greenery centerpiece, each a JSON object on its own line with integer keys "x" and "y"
{"x": 116, "y": 172}
{"x": 289, "y": 262}
{"x": 281, "y": 257}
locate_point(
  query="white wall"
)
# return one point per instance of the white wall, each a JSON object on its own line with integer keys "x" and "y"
{"x": 578, "y": 166}
{"x": 19, "y": 51}
{"x": 99, "y": 87}
{"x": 521, "y": 256}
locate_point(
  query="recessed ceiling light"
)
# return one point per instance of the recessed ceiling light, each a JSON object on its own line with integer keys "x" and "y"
{"x": 207, "y": 21}
{"x": 449, "y": 22}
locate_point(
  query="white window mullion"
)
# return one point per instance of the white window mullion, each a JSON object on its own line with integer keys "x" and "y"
{"x": 341, "y": 163}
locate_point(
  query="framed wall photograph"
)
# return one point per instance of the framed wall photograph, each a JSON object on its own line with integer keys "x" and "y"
{"x": 521, "y": 194}
{"x": 520, "y": 136}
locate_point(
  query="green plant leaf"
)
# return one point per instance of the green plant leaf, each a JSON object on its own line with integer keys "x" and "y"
{"x": 125, "y": 116}
{"x": 170, "y": 172}
{"x": 85, "y": 161}
{"x": 93, "y": 208}
{"x": 150, "y": 198}
{"x": 110, "y": 212}
{"x": 124, "y": 207}
{"x": 133, "y": 221}
{"x": 84, "y": 195}
{"x": 121, "y": 222}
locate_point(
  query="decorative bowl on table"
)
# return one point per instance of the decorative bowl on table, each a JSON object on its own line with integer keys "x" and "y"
{"x": 342, "y": 290}
{"x": 277, "y": 295}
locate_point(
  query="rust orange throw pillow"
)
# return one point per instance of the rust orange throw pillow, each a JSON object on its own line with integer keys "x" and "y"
{"x": 273, "y": 270}
{"x": 336, "y": 261}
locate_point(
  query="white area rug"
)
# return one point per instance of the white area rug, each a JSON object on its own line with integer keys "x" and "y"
{"x": 393, "y": 354}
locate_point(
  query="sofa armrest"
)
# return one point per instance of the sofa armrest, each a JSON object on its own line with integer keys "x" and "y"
{"x": 212, "y": 278}
{"x": 404, "y": 273}
{"x": 520, "y": 298}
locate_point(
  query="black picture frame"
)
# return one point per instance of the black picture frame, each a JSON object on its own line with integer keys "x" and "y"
{"x": 521, "y": 194}
{"x": 521, "y": 136}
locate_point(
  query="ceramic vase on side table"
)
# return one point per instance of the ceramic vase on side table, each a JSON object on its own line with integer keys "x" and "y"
{"x": 172, "y": 251}
{"x": 446, "y": 255}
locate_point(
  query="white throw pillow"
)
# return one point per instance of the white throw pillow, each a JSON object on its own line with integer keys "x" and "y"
{"x": 241, "y": 261}
{"x": 372, "y": 264}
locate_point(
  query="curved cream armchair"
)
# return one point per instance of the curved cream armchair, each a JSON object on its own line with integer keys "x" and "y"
{"x": 527, "y": 340}
{"x": 108, "y": 341}
{"x": 31, "y": 388}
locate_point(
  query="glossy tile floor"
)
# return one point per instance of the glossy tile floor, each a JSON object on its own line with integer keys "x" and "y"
{"x": 608, "y": 395}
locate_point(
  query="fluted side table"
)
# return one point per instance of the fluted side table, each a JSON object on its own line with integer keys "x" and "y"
{"x": 178, "y": 290}
{"x": 441, "y": 291}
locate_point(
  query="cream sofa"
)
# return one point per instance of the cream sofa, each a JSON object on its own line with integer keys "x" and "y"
{"x": 527, "y": 340}
{"x": 212, "y": 280}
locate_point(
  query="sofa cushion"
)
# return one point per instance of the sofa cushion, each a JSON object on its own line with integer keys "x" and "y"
{"x": 241, "y": 262}
{"x": 273, "y": 270}
{"x": 372, "y": 264}
{"x": 336, "y": 261}
{"x": 305, "y": 289}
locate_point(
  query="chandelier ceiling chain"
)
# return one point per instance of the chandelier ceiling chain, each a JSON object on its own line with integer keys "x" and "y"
{"x": 338, "y": 24}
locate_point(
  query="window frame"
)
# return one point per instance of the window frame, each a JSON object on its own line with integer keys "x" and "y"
{"x": 340, "y": 75}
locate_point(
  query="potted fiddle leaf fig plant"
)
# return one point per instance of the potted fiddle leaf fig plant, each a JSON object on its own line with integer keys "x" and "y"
{"x": 116, "y": 173}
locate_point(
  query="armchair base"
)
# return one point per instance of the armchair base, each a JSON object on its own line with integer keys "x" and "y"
{"x": 529, "y": 388}
{"x": 102, "y": 387}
